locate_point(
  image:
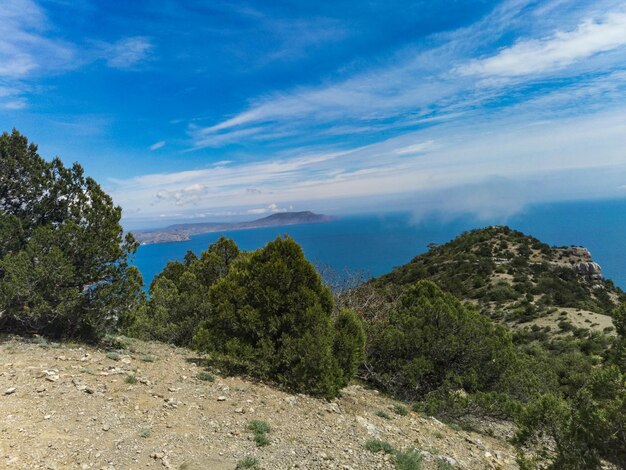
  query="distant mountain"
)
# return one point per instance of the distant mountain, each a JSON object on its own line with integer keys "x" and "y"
{"x": 182, "y": 232}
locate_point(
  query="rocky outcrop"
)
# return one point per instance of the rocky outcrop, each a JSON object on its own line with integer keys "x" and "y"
{"x": 590, "y": 270}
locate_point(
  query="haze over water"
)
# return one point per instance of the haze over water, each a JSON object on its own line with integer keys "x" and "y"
{"x": 375, "y": 244}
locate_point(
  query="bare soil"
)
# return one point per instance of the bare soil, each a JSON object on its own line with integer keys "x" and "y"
{"x": 73, "y": 406}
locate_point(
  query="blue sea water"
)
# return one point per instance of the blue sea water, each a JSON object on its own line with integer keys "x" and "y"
{"x": 375, "y": 244}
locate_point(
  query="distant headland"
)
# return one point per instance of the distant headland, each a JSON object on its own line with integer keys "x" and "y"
{"x": 183, "y": 232}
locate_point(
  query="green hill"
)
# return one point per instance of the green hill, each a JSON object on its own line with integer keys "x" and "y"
{"x": 513, "y": 277}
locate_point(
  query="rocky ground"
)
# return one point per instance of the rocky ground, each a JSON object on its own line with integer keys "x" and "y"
{"x": 73, "y": 406}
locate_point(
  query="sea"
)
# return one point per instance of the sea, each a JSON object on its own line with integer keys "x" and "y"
{"x": 371, "y": 245}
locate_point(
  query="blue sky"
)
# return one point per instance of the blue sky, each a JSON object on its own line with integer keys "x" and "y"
{"x": 217, "y": 110}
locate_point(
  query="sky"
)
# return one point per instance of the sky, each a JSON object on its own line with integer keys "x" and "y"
{"x": 219, "y": 110}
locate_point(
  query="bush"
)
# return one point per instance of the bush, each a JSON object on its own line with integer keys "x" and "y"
{"x": 205, "y": 376}
{"x": 179, "y": 295}
{"x": 247, "y": 462}
{"x": 63, "y": 255}
{"x": 585, "y": 430}
{"x": 260, "y": 430}
{"x": 410, "y": 460}
{"x": 375, "y": 445}
{"x": 431, "y": 339}
{"x": 400, "y": 410}
{"x": 271, "y": 317}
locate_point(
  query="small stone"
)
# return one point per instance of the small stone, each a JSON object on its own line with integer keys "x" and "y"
{"x": 10, "y": 391}
{"x": 221, "y": 398}
{"x": 106, "y": 427}
{"x": 333, "y": 408}
{"x": 239, "y": 410}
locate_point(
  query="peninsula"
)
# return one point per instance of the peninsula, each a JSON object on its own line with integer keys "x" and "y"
{"x": 183, "y": 232}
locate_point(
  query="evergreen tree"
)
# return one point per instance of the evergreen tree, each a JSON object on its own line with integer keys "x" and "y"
{"x": 271, "y": 317}
{"x": 63, "y": 255}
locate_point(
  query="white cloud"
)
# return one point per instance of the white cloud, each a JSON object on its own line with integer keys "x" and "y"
{"x": 157, "y": 145}
{"x": 535, "y": 56}
{"x": 503, "y": 152}
{"x": 127, "y": 52}
{"x": 272, "y": 208}
{"x": 414, "y": 148}
{"x": 29, "y": 50}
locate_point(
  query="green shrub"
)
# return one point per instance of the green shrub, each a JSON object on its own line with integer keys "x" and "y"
{"x": 205, "y": 376}
{"x": 349, "y": 344}
{"x": 247, "y": 462}
{"x": 131, "y": 379}
{"x": 179, "y": 295}
{"x": 400, "y": 410}
{"x": 113, "y": 356}
{"x": 382, "y": 414}
{"x": 444, "y": 465}
{"x": 585, "y": 430}
{"x": 430, "y": 339}
{"x": 148, "y": 358}
{"x": 258, "y": 426}
{"x": 260, "y": 430}
{"x": 375, "y": 445}
{"x": 145, "y": 433}
{"x": 409, "y": 460}
{"x": 271, "y": 317}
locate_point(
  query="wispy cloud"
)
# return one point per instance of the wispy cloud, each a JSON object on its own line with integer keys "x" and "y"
{"x": 461, "y": 167}
{"x": 29, "y": 49}
{"x": 157, "y": 145}
{"x": 127, "y": 52}
{"x": 535, "y": 56}
{"x": 425, "y": 86}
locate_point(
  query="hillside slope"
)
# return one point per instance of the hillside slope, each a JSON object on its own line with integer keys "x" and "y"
{"x": 514, "y": 277}
{"x": 73, "y": 407}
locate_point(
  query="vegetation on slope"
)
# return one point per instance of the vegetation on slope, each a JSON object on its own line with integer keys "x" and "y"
{"x": 510, "y": 275}
{"x": 64, "y": 272}
{"x": 264, "y": 313}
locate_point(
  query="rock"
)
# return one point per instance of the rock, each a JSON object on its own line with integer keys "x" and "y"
{"x": 106, "y": 427}
{"x": 221, "y": 398}
{"x": 333, "y": 408}
{"x": 589, "y": 270}
{"x": 10, "y": 391}
{"x": 292, "y": 400}
{"x": 239, "y": 410}
{"x": 449, "y": 460}
{"x": 369, "y": 427}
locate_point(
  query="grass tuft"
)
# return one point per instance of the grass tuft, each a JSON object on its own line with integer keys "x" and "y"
{"x": 376, "y": 445}
{"x": 205, "y": 376}
{"x": 410, "y": 460}
{"x": 400, "y": 410}
{"x": 260, "y": 430}
{"x": 113, "y": 356}
{"x": 247, "y": 462}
